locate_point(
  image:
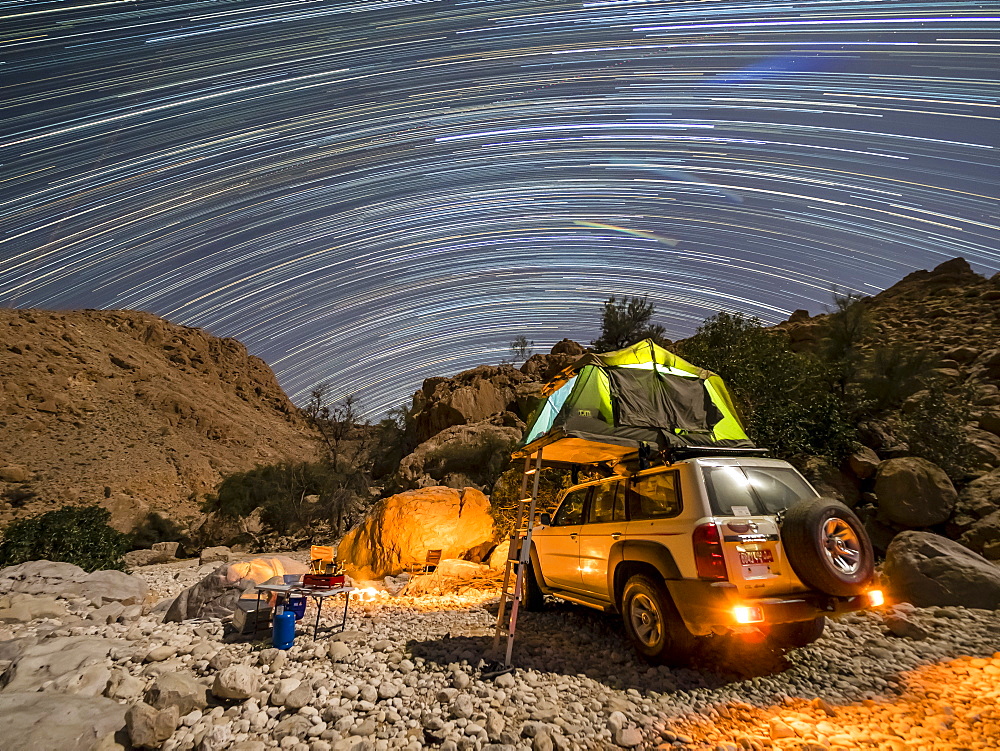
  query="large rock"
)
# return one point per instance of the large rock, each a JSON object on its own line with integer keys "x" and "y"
{"x": 831, "y": 481}
{"x": 399, "y": 530}
{"x": 236, "y": 682}
{"x": 135, "y": 558}
{"x": 22, "y": 608}
{"x": 913, "y": 492}
{"x": 451, "y": 456}
{"x": 180, "y": 690}
{"x": 469, "y": 397}
{"x": 977, "y": 516}
{"x": 66, "y": 580}
{"x": 38, "y": 722}
{"x": 929, "y": 570}
{"x": 65, "y": 664}
{"x": 149, "y": 727}
{"x": 215, "y": 595}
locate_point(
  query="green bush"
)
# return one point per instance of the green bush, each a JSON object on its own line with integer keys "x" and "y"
{"x": 156, "y": 528}
{"x": 72, "y": 534}
{"x": 292, "y": 496}
{"x": 786, "y": 398}
{"x": 934, "y": 428}
{"x": 507, "y": 492}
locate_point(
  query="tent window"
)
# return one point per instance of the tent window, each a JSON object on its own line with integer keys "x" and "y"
{"x": 654, "y": 496}
{"x": 570, "y": 512}
{"x": 607, "y": 505}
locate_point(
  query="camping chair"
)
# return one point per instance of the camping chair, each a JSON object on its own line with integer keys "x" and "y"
{"x": 430, "y": 563}
{"x": 320, "y": 556}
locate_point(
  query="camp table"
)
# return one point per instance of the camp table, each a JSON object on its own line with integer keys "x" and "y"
{"x": 317, "y": 593}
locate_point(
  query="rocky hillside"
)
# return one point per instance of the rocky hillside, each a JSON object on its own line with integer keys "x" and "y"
{"x": 130, "y": 411}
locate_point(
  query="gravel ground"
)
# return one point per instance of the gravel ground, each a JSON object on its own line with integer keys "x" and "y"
{"x": 405, "y": 675}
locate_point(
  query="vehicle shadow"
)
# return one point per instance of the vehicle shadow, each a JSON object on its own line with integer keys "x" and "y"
{"x": 570, "y": 639}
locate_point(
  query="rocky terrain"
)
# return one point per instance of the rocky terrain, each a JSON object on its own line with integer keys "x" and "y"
{"x": 404, "y": 674}
{"x": 127, "y": 410}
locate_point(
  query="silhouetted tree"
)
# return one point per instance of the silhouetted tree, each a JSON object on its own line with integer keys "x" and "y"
{"x": 627, "y": 321}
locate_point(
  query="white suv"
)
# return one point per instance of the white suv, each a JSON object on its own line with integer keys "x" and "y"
{"x": 705, "y": 545}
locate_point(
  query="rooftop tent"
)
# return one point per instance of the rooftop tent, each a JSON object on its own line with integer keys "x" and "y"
{"x": 603, "y": 406}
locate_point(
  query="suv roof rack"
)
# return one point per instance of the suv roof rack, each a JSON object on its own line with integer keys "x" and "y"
{"x": 676, "y": 453}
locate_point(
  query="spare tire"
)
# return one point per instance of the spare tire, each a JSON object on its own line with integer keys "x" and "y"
{"x": 828, "y": 547}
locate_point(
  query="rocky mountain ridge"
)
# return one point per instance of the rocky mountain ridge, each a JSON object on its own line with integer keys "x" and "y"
{"x": 125, "y": 409}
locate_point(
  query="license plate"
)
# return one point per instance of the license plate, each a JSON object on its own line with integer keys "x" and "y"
{"x": 754, "y": 557}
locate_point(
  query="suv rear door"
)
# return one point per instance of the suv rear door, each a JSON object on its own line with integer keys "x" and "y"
{"x": 604, "y": 526}
{"x": 559, "y": 548}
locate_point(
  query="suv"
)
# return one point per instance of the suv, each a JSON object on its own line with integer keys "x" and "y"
{"x": 704, "y": 546}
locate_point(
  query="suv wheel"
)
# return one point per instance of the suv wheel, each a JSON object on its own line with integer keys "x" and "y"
{"x": 792, "y": 635}
{"x": 532, "y": 598}
{"x": 652, "y": 622}
{"x": 828, "y": 547}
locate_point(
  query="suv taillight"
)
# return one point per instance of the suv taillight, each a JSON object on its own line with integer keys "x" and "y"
{"x": 708, "y": 552}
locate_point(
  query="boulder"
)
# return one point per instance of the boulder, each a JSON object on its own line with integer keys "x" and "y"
{"x": 913, "y": 492}
{"x": 929, "y": 570}
{"x": 35, "y": 721}
{"x": 236, "y": 682}
{"x": 451, "y": 568}
{"x": 399, "y": 531}
{"x": 14, "y": 473}
{"x": 66, "y": 580}
{"x": 135, "y": 558}
{"x": 990, "y": 421}
{"x": 831, "y": 481}
{"x": 149, "y": 727}
{"x": 216, "y": 594}
{"x": 498, "y": 558}
{"x": 863, "y": 463}
{"x": 170, "y": 548}
{"x": 469, "y": 397}
{"x": 22, "y": 608}
{"x": 456, "y": 451}
{"x": 180, "y": 690}
{"x": 65, "y": 664}
{"x": 218, "y": 553}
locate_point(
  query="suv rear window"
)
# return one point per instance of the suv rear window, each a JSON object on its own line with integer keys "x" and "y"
{"x": 760, "y": 490}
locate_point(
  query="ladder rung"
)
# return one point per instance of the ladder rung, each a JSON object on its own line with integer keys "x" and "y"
{"x": 531, "y": 471}
{"x": 524, "y": 500}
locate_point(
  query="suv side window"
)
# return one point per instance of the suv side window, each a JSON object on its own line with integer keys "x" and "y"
{"x": 570, "y": 512}
{"x": 607, "y": 505}
{"x": 654, "y": 496}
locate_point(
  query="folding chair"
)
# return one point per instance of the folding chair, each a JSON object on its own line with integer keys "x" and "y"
{"x": 430, "y": 563}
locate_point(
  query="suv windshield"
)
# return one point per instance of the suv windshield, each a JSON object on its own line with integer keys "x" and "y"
{"x": 751, "y": 491}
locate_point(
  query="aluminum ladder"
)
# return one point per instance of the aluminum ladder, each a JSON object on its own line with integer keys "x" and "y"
{"x": 518, "y": 556}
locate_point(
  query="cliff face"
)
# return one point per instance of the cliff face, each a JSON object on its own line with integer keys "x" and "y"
{"x": 127, "y": 410}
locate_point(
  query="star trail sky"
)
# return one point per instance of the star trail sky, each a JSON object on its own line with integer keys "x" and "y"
{"x": 373, "y": 192}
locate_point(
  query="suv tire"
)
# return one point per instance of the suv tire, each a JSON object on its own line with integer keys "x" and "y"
{"x": 793, "y": 635}
{"x": 532, "y": 597}
{"x": 828, "y": 547}
{"x": 652, "y": 622}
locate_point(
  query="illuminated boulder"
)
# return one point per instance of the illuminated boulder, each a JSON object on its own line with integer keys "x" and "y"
{"x": 400, "y": 530}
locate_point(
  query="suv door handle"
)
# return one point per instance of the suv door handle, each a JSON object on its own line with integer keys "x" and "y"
{"x": 615, "y": 535}
{"x": 572, "y": 535}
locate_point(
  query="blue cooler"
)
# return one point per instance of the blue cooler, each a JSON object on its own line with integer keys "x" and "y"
{"x": 297, "y": 605}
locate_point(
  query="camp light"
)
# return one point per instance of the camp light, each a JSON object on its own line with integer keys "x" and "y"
{"x": 876, "y": 597}
{"x": 748, "y": 614}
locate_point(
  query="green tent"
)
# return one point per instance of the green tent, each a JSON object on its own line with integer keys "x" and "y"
{"x": 604, "y": 406}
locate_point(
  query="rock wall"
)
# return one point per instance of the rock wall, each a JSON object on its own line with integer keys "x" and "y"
{"x": 124, "y": 409}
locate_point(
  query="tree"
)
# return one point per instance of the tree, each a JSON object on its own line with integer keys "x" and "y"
{"x": 786, "y": 398}
{"x": 520, "y": 348}
{"x": 627, "y": 321}
{"x": 847, "y": 328}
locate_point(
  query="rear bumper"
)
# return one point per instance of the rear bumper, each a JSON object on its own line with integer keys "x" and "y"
{"x": 707, "y": 607}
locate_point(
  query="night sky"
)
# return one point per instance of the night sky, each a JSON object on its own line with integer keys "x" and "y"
{"x": 370, "y": 193}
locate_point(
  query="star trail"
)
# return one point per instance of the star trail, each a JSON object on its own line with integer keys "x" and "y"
{"x": 370, "y": 193}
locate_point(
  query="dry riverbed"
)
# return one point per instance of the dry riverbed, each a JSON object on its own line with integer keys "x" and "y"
{"x": 404, "y": 675}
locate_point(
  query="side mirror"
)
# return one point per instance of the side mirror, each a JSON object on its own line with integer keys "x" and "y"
{"x": 546, "y": 519}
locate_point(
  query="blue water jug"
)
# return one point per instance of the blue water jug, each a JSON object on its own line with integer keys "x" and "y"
{"x": 283, "y": 629}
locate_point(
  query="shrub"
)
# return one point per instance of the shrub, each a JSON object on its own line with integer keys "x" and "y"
{"x": 934, "y": 428}
{"x": 72, "y": 534}
{"x": 156, "y": 528}
{"x": 785, "y": 397}
{"x": 507, "y": 492}
{"x": 292, "y": 496}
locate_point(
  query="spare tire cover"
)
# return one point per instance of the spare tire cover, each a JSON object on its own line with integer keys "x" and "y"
{"x": 828, "y": 547}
